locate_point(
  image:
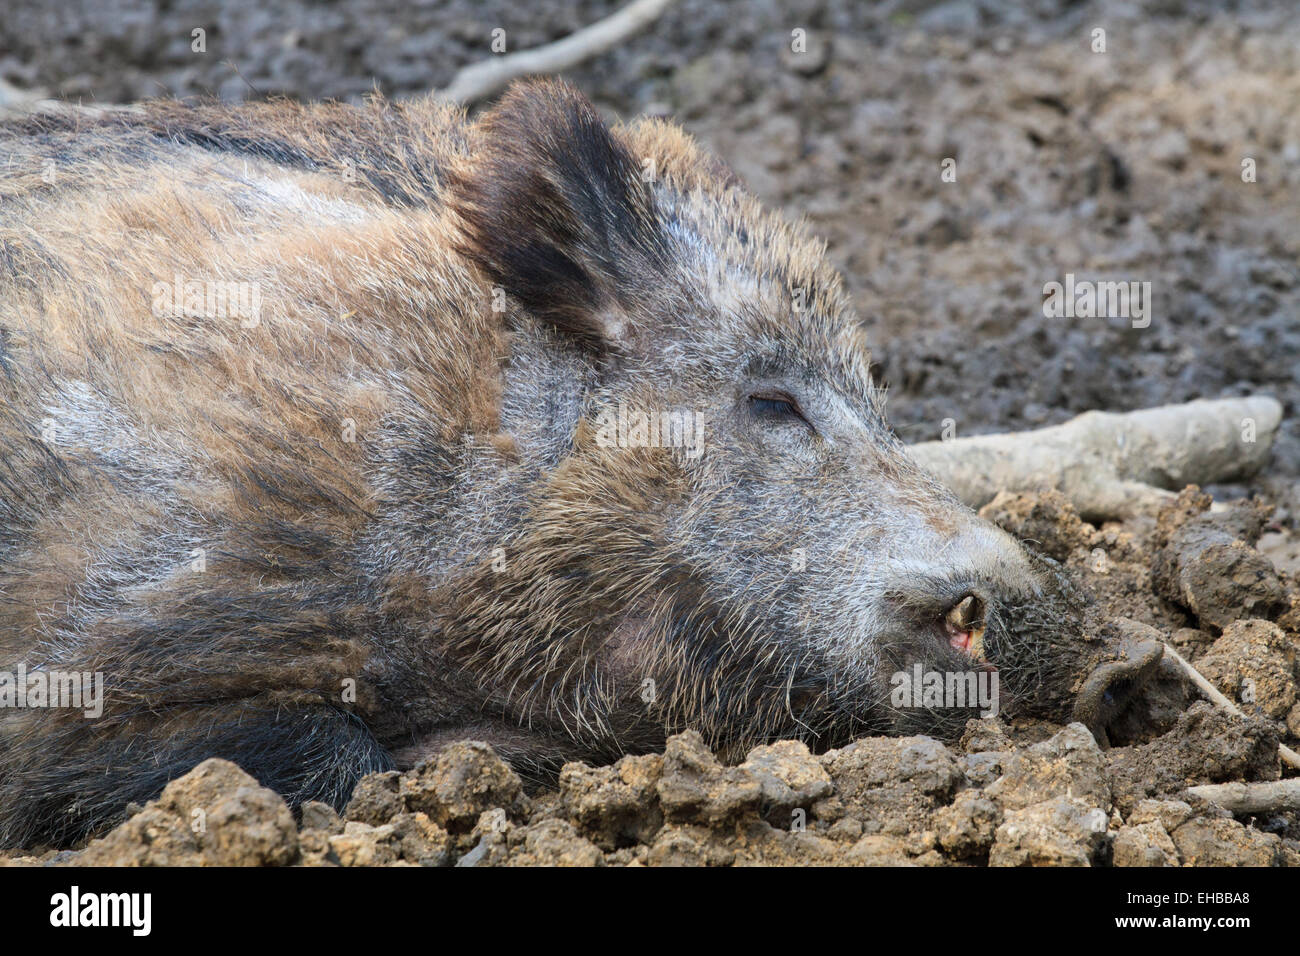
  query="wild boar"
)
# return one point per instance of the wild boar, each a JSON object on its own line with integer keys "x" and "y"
{"x": 330, "y": 435}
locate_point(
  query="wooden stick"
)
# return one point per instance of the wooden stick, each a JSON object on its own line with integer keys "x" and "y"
{"x": 1113, "y": 465}
{"x": 1286, "y": 754}
{"x": 1264, "y": 797}
{"x": 16, "y": 103}
{"x": 480, "y": 80}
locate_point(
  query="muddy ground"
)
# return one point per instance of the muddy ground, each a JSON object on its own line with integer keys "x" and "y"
{"x": 1125, "y": 165}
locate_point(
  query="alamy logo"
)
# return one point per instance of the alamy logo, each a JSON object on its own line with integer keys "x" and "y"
{"x": 1085, "y": 299}
{"x": 75, "y": 908}
{"x": 945, "y": 690}
{"x": 76, "y": 690}
{"x": 209, "y": 299}
{"x": 624, "y": 427}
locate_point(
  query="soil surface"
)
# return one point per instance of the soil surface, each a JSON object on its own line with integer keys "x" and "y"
{"x": 1122, "y": 165}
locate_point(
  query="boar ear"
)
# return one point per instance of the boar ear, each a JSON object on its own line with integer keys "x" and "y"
{"x": 556, "y": 212}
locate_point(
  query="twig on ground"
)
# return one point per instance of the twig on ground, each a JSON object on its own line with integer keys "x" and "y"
{"x": 1266, "y": 797}
{"x": 1113, "y": 465}
{"x": 16, "y": 103}
{"x": 1216, "y": 696}
{"x": 480, "y": 80}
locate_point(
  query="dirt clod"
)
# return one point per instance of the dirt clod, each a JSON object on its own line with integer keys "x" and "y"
{"x": 1063, "y": 831}
{"x": 215, "y": 815}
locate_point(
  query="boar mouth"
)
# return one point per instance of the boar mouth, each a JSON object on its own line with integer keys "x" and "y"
{"x": 963, "y": 625}
{"x": 1031, "y": 634}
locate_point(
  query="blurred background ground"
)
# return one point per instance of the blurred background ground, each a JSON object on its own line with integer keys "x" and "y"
{"x": 1117, "y": 165}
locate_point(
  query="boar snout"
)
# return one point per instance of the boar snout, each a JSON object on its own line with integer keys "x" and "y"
{"x": 990, "y": 611}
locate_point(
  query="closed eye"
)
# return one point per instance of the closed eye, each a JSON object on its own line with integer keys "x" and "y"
{"x": 775, "y": 406}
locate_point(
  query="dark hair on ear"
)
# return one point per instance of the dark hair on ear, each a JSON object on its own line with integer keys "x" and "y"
{"x": 555, "y": 210}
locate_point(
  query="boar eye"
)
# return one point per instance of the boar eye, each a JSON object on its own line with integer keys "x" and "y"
{"x": 775, "y": 405}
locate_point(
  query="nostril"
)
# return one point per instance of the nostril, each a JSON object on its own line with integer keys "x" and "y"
{"x": 1111, "y": 687}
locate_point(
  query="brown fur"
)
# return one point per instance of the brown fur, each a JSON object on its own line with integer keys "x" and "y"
{"x": 443, "y": 306}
